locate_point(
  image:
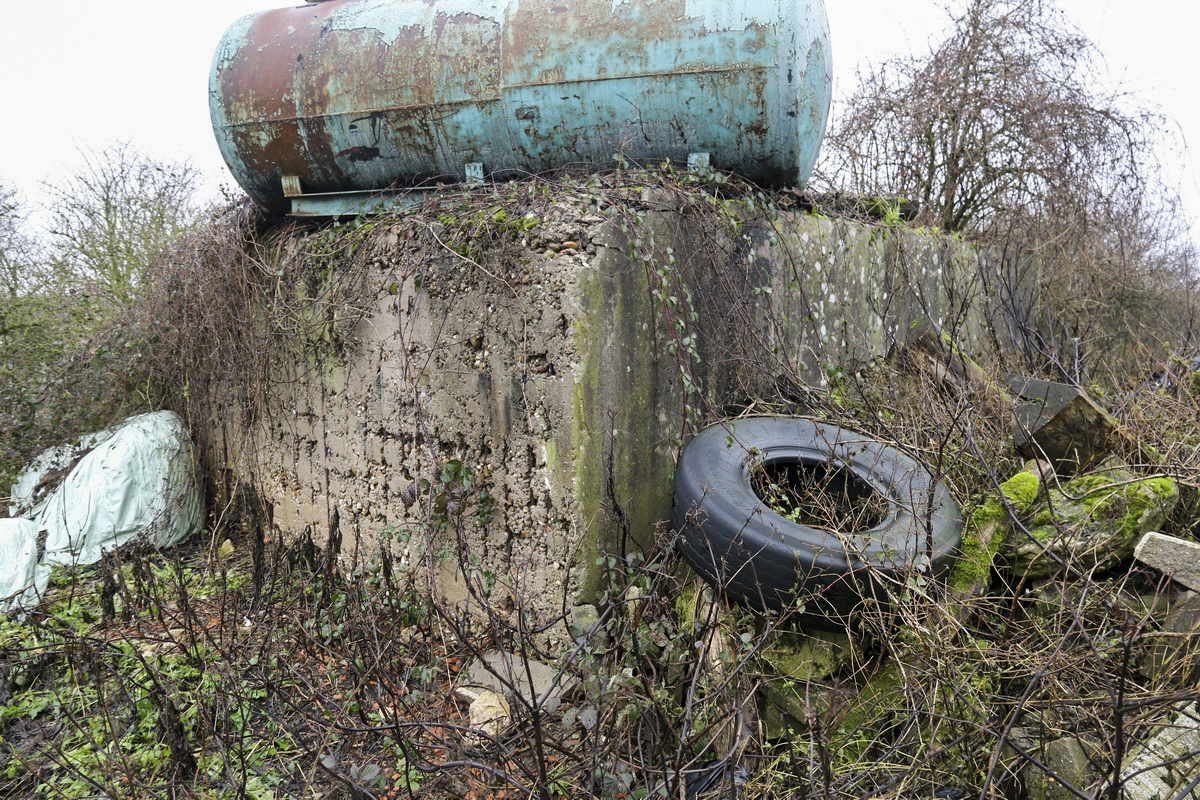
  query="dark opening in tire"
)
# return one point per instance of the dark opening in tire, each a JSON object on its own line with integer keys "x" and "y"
{"x": 780, "y": 512}
{"x": 818, "y": 494}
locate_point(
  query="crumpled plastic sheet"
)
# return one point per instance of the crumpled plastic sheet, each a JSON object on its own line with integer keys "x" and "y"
{"x": 22, "y": 579}
{"x": 137, "y": 479}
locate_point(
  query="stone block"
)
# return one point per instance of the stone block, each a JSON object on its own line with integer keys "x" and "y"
{"x": 1164, "y": 767}
{"x": 564, "y": 391}
{"x": 1063, "y": 425}
{"x": 489, "y": 714}
{"x": 1179, "y": 559}
{"x": 812, "y": 656}
{"x": 1068, "y": 765}
{"x": 794, "y": 684}
{"x": 985, "y": 532}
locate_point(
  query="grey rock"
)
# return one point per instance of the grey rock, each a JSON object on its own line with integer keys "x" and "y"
{"x": 1062, "y": 424}
{"x": 1167, "y": 764}
{"x": 522, "y": 680}
{"x": 1177, "y": 558}
{"x": 1068, "y": 764}
{"x": 1173, "y": 652}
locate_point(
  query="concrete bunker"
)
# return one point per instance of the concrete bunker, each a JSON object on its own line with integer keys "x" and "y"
{"x": 530, "y": 357}
{"x": 502, "y": 395}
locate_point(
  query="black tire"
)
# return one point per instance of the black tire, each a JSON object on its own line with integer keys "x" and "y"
{"x": 760, "y": 558}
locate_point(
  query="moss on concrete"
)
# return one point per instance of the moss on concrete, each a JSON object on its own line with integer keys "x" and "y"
{"x": 809, "y": 656}
{"x": 584, "y": 397}
{"x": 984, "y": 532}
{"x": 1128, "y": 504}
{"x": 975, "y": 564}
{"x": 1095, "y": 519}
{"x": 622, "y": 396}
{"x": 941, "y": 711}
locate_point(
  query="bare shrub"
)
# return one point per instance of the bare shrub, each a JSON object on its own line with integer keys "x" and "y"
{"x": 114, "y": 216}
{"x": 1005, "y": 132}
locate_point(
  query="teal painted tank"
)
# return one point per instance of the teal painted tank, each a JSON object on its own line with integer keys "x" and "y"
{"x": 364, "y": 95}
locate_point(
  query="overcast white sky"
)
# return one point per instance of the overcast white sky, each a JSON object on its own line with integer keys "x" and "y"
{"x": 83, "y": 73}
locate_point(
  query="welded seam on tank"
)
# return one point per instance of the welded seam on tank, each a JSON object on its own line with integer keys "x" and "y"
{"x": 663, "y": 74}
{"x": 498, "y": 98}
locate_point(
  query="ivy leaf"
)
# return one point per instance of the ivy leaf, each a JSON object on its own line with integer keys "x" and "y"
{"x": 588, "y": 718}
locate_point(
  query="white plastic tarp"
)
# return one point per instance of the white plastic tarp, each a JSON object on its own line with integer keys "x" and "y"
{"x": 138, "y": 479}
{"x": 43, "y": 475}
{"x": 22, "y": 579}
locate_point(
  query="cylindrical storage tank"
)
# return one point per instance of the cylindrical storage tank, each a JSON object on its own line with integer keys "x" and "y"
{"x": 367, "y": 94}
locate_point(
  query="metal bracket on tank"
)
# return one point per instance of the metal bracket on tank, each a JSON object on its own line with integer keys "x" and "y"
{"x": 353, "y": 204}
{"x": 346, "y": 204}
{"x": 291, "y": 186}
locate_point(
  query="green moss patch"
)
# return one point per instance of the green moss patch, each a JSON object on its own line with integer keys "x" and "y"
{"x": 986, "y": 529}
{"x": 1095, "y": 519}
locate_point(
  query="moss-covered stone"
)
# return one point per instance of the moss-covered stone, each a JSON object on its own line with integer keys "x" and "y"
{"x": 985, "y": 532}
{"x": 941, "y": 712}
{"x": 1021, "y": 490}
{"x": 795, "y": 669}
{"x": 1093, "y": 519}
{"x": 979, "y": 546}
{"x": 859, "y": 725}
{"x": 815, "y": 655}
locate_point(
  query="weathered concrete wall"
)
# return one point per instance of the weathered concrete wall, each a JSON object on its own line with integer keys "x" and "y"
{"x": 555, "y": 365}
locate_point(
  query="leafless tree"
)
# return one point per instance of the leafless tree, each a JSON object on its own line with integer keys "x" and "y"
{"x": 116, "y": 213}
{"x": 1002, "y": 120}
{"x": 1005, "y": 132}
{"x": 16, "y": 246}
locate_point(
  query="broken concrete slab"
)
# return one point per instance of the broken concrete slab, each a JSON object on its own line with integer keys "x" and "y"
{"x": 1179, "y": 559}
{"x": 1091, "y": 520}
{"x": 1165, "y": 767}
{"x": 799, "y": 668}
{"x": 812, "y": 655}
{"x": 1063, "y": 425}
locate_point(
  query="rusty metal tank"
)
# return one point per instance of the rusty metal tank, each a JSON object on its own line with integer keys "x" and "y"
{"x": 354, "y": 95}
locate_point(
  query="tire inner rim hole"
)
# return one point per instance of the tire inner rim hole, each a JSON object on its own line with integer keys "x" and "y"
{"x": 819, "y": 495}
